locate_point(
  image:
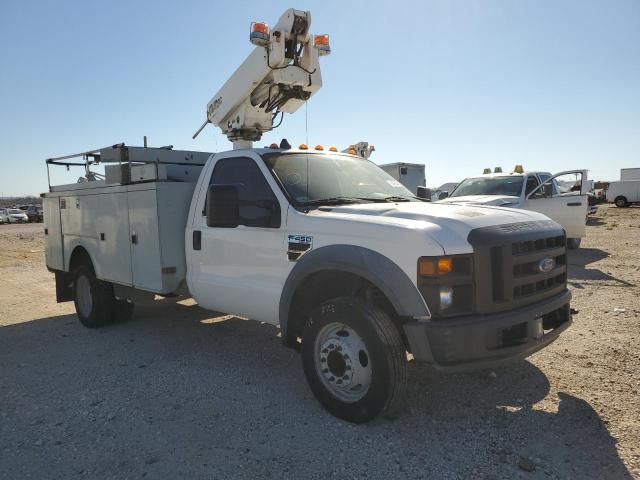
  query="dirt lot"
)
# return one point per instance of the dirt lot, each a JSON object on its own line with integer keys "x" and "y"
{"x": 181, "y": 393}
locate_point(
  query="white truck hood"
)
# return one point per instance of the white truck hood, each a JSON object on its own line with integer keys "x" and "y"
{"x": 492, "y": 200}
{"x": 448, "y": 224}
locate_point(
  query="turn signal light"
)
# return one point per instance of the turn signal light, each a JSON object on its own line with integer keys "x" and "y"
{"x": 321, "y": 42}
{"x": 259, "y": 34}
{"x": 303, "y": 146}
{"x": 319, "y": 147}
{"x": 431, "y": 267}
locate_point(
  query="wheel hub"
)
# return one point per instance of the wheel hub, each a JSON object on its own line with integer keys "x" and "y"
{"x": 342, "y": 360}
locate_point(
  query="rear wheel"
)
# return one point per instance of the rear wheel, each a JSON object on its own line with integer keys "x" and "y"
{"x": 621, "y": 202}
{"x": 354, "y": 360}
{"x": 93, "y": 298}
{"x": 574, "y": 243}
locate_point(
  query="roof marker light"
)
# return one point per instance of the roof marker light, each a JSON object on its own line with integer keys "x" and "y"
{"x": 497, "y": 170}
{"x": 319, "y": 147}
{"x": 486, "y": 171}
{"x": 303, "y": 146}
{"x": 333, "y": 149}
{"x": 518, "y": 169}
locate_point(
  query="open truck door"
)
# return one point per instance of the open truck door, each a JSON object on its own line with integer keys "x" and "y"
{"x": 563, "y": 198}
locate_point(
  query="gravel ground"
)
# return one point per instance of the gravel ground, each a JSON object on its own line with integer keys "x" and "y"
{"x": 180, "y": 392}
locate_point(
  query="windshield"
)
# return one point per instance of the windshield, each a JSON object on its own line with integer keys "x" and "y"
{"x": 507, "y": 185}
{"x": 312, "y": 178}
{"x": 13, "y": 210}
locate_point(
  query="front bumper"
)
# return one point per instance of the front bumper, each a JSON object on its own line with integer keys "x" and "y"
{"x": 484, "y": 341}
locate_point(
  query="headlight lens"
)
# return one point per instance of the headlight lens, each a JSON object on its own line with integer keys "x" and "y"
{"x": 446, "y": 297}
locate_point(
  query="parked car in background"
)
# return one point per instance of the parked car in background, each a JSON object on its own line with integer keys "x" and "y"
{"x": 15, "y": 215}
{"x": 34, "y": 212}
{"x": 3, "y": 215}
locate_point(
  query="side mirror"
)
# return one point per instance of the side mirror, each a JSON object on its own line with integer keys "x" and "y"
{"x": 424, "y": 192}
{"x": 222, "y": 206}
{"x": 443, "y": 195}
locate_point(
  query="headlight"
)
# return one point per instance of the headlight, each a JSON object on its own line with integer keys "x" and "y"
{"x": 446, "y": 283}
{"x": 446, "y": 297}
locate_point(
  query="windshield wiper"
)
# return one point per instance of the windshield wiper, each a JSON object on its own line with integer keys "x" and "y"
{"x": 397, "y": 198}
{"x": 333, "y": 201}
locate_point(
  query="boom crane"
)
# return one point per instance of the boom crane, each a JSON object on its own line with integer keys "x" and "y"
{"x": 280, "y": 74}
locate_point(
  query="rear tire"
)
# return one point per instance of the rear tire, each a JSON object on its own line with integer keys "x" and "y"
{"x": 354, "y": 360}
{"x": 621, "y": 202}
{"x": 574, "y": 243}
{"x": 93, "y": 298}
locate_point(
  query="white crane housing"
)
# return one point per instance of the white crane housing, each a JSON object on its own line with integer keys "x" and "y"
{"x": 279, "y": 75}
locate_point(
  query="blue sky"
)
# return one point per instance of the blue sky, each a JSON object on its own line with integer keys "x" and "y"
{"x": 457, "y": 85}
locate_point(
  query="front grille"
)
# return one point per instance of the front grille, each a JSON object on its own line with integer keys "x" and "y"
{"x": 518, "y": 264}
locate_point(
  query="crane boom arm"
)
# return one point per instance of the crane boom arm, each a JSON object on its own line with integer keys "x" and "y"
{"x": 280, "y": 74}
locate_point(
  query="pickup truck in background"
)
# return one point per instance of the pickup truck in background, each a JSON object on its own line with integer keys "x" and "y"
{"x": 536, "y": 191}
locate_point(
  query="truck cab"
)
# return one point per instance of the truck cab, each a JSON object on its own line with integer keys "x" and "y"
{"x": 536, "y": 191}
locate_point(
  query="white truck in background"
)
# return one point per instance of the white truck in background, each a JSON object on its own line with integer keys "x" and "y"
{"x": 624, "y": 193}
{"x": 354, "y": 269}
{"x": 536, "y": 191}
{"x": 411, "y": 175}
{"x": 629, "y": 174}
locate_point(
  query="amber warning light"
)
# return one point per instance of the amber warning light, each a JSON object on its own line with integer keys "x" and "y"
{"x": 259, "y": 34}
{"x": 321, "y": 42}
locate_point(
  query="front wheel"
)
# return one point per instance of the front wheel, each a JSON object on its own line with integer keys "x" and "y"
{"x": 574, "y": 243}
{"x": 354, "y": 359}
{"x": 621, "y": 202}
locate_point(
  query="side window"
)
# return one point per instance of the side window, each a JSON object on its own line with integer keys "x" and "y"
{"x": 544, "y": 177}
{"x": 532, "y": 183}
{"x": 258, "y": 206}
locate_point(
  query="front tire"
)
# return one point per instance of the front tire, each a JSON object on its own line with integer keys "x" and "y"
{"x": 574, "y": 243}
{"x": 621, "y": 202}
{"x": 354, "y": 360}
{"x": 93, "y": 298}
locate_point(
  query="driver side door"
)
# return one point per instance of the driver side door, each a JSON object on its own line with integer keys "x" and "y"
{"x": 567, "y": 205}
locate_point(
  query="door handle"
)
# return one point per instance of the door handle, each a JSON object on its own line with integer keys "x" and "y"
{"x": 197, "y": 240}
{"x": 574, "y": 204}
{"x": 134, "y": 238}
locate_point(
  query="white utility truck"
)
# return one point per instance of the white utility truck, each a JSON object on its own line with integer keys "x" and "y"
{"x": 536, "y": 191}
{"x": 411, "y": 175}
{"x": 354, "y": 269}
{"x": 624, "y": 193}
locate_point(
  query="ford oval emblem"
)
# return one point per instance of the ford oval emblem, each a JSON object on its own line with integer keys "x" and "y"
{"x": 546, "y": 264}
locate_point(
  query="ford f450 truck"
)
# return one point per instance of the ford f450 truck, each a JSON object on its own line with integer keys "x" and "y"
{"x": 355, "y": 270}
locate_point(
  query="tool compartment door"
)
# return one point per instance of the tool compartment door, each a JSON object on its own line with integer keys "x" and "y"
{"x": 53, "y": 249}
{"x": 146, "y": 269}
